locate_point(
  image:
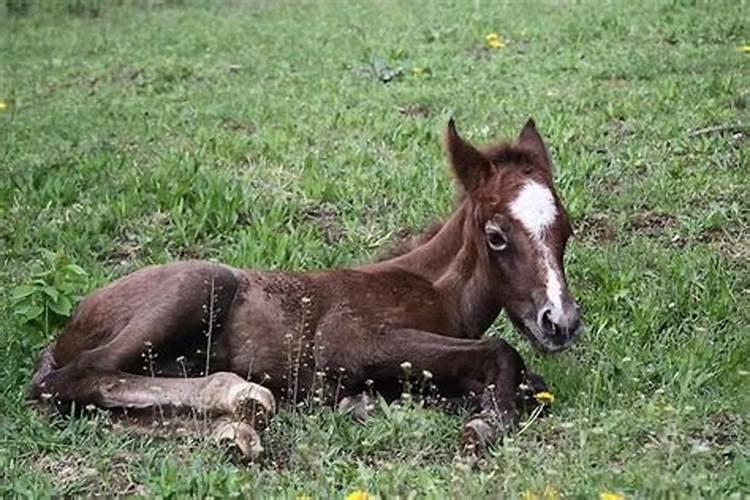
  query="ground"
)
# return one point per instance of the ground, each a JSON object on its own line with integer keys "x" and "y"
{"x": 290, "y": 134}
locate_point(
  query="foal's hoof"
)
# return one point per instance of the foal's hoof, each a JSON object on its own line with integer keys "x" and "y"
{"x": 477, "y": 435}
{"x": 358, "y": 406}
{"x": 252, "y": 403}
{"x": 240, "y": 439}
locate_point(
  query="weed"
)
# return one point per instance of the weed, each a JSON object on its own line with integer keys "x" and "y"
{"x": 47, "y": 300}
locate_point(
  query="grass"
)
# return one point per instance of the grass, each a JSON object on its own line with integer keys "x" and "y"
{"x": 263, "y": 134}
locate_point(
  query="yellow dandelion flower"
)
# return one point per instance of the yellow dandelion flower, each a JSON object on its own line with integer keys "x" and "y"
{"x": 494, "y": 41}
{"x": 745, "y": 48}
{"x": 545, "y": 397}
{"x": 358, "y": 495}
{"x": 303, "y": 497}
{"x": 3, "y": 105}
{"x": 611, "y": 495}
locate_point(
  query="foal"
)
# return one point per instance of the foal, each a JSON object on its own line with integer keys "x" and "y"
{"x": 225, "y": 342}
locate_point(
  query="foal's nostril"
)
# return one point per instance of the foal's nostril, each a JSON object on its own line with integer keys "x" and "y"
{"x": 548, "y": 324}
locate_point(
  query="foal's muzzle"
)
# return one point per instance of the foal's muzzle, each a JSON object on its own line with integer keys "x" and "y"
{"x": 558, "y": 327}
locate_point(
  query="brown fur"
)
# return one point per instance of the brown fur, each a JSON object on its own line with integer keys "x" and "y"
{"x": 130, "y": 342}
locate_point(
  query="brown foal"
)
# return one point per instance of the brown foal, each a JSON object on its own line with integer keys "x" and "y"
{"x": 226, "y": 342}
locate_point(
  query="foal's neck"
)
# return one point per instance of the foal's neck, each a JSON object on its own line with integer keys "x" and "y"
{"x": 450, "y": 261}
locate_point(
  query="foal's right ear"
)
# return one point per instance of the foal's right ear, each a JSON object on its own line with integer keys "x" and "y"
{"x": 470, "y": 166}
{"x": 532, "y": 139}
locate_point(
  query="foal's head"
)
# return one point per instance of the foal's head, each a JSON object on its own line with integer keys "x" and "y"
{"x": 519, "y": 228}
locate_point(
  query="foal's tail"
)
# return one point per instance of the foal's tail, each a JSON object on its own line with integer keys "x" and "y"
{"x": 44, "y": 367}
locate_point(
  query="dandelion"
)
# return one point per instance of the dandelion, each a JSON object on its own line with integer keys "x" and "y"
{"x": 745, "y": 48}
{"x": 610, "y": 495}
{"x": 417, "y": 71}
{"x": 3, "y": 105}
{"x": 358, "y": 495}
{"x": 494, "y": 41}
{"x": 303, "y": 497}
{"x": 545, "y": 397}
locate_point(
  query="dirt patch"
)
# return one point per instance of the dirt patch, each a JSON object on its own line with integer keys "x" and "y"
{"x": 723, "y": 428}
{"x": 125, "y": 251}
{"x": 731, "y": 241}
{"x": 651, "y": 224}
{"x": 326, "y": 218}
{"x": 595, "y": 228}
{"x": 67, "y": 469}
{"x": 719, "y": 431}
{"x": 129, "y": 75}
{"x": 239, "y": 126}
{"x": 480, "y": 53}
{"x": 618, "y": 130}
{"x": 73, "y": 471}
{"x": 129, "y": 246}
{"x": 120, "y": 482}
{"x": 714, "y": 235}
{"x": 415, "y": 111}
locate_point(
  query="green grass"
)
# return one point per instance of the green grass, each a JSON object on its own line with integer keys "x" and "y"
{"x": 261, "y": 134}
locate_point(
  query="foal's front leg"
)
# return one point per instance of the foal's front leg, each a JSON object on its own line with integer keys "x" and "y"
{"x": 489, "y": 368}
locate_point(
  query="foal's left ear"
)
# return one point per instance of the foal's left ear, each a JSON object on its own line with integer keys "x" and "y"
{"x": 532, "y": 139}
{"x": 470, "y": 166}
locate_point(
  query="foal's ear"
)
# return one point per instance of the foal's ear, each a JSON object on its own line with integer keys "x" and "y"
{"x": 532, "y": 139}
{"x": 469, "y": 164}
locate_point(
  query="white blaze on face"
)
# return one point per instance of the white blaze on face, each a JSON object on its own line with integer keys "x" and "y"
{"x": 534, "y": 207}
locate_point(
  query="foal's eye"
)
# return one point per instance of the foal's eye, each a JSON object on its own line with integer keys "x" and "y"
{"x": 496, "y": 240}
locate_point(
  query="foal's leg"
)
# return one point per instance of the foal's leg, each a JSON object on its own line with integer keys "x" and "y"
{"x": 237, "y": 407}
{"x": 221, "y": 393}
{"x": 489, "y": 368}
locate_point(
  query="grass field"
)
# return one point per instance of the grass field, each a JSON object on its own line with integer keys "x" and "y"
{"x": 290, "y": 134}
